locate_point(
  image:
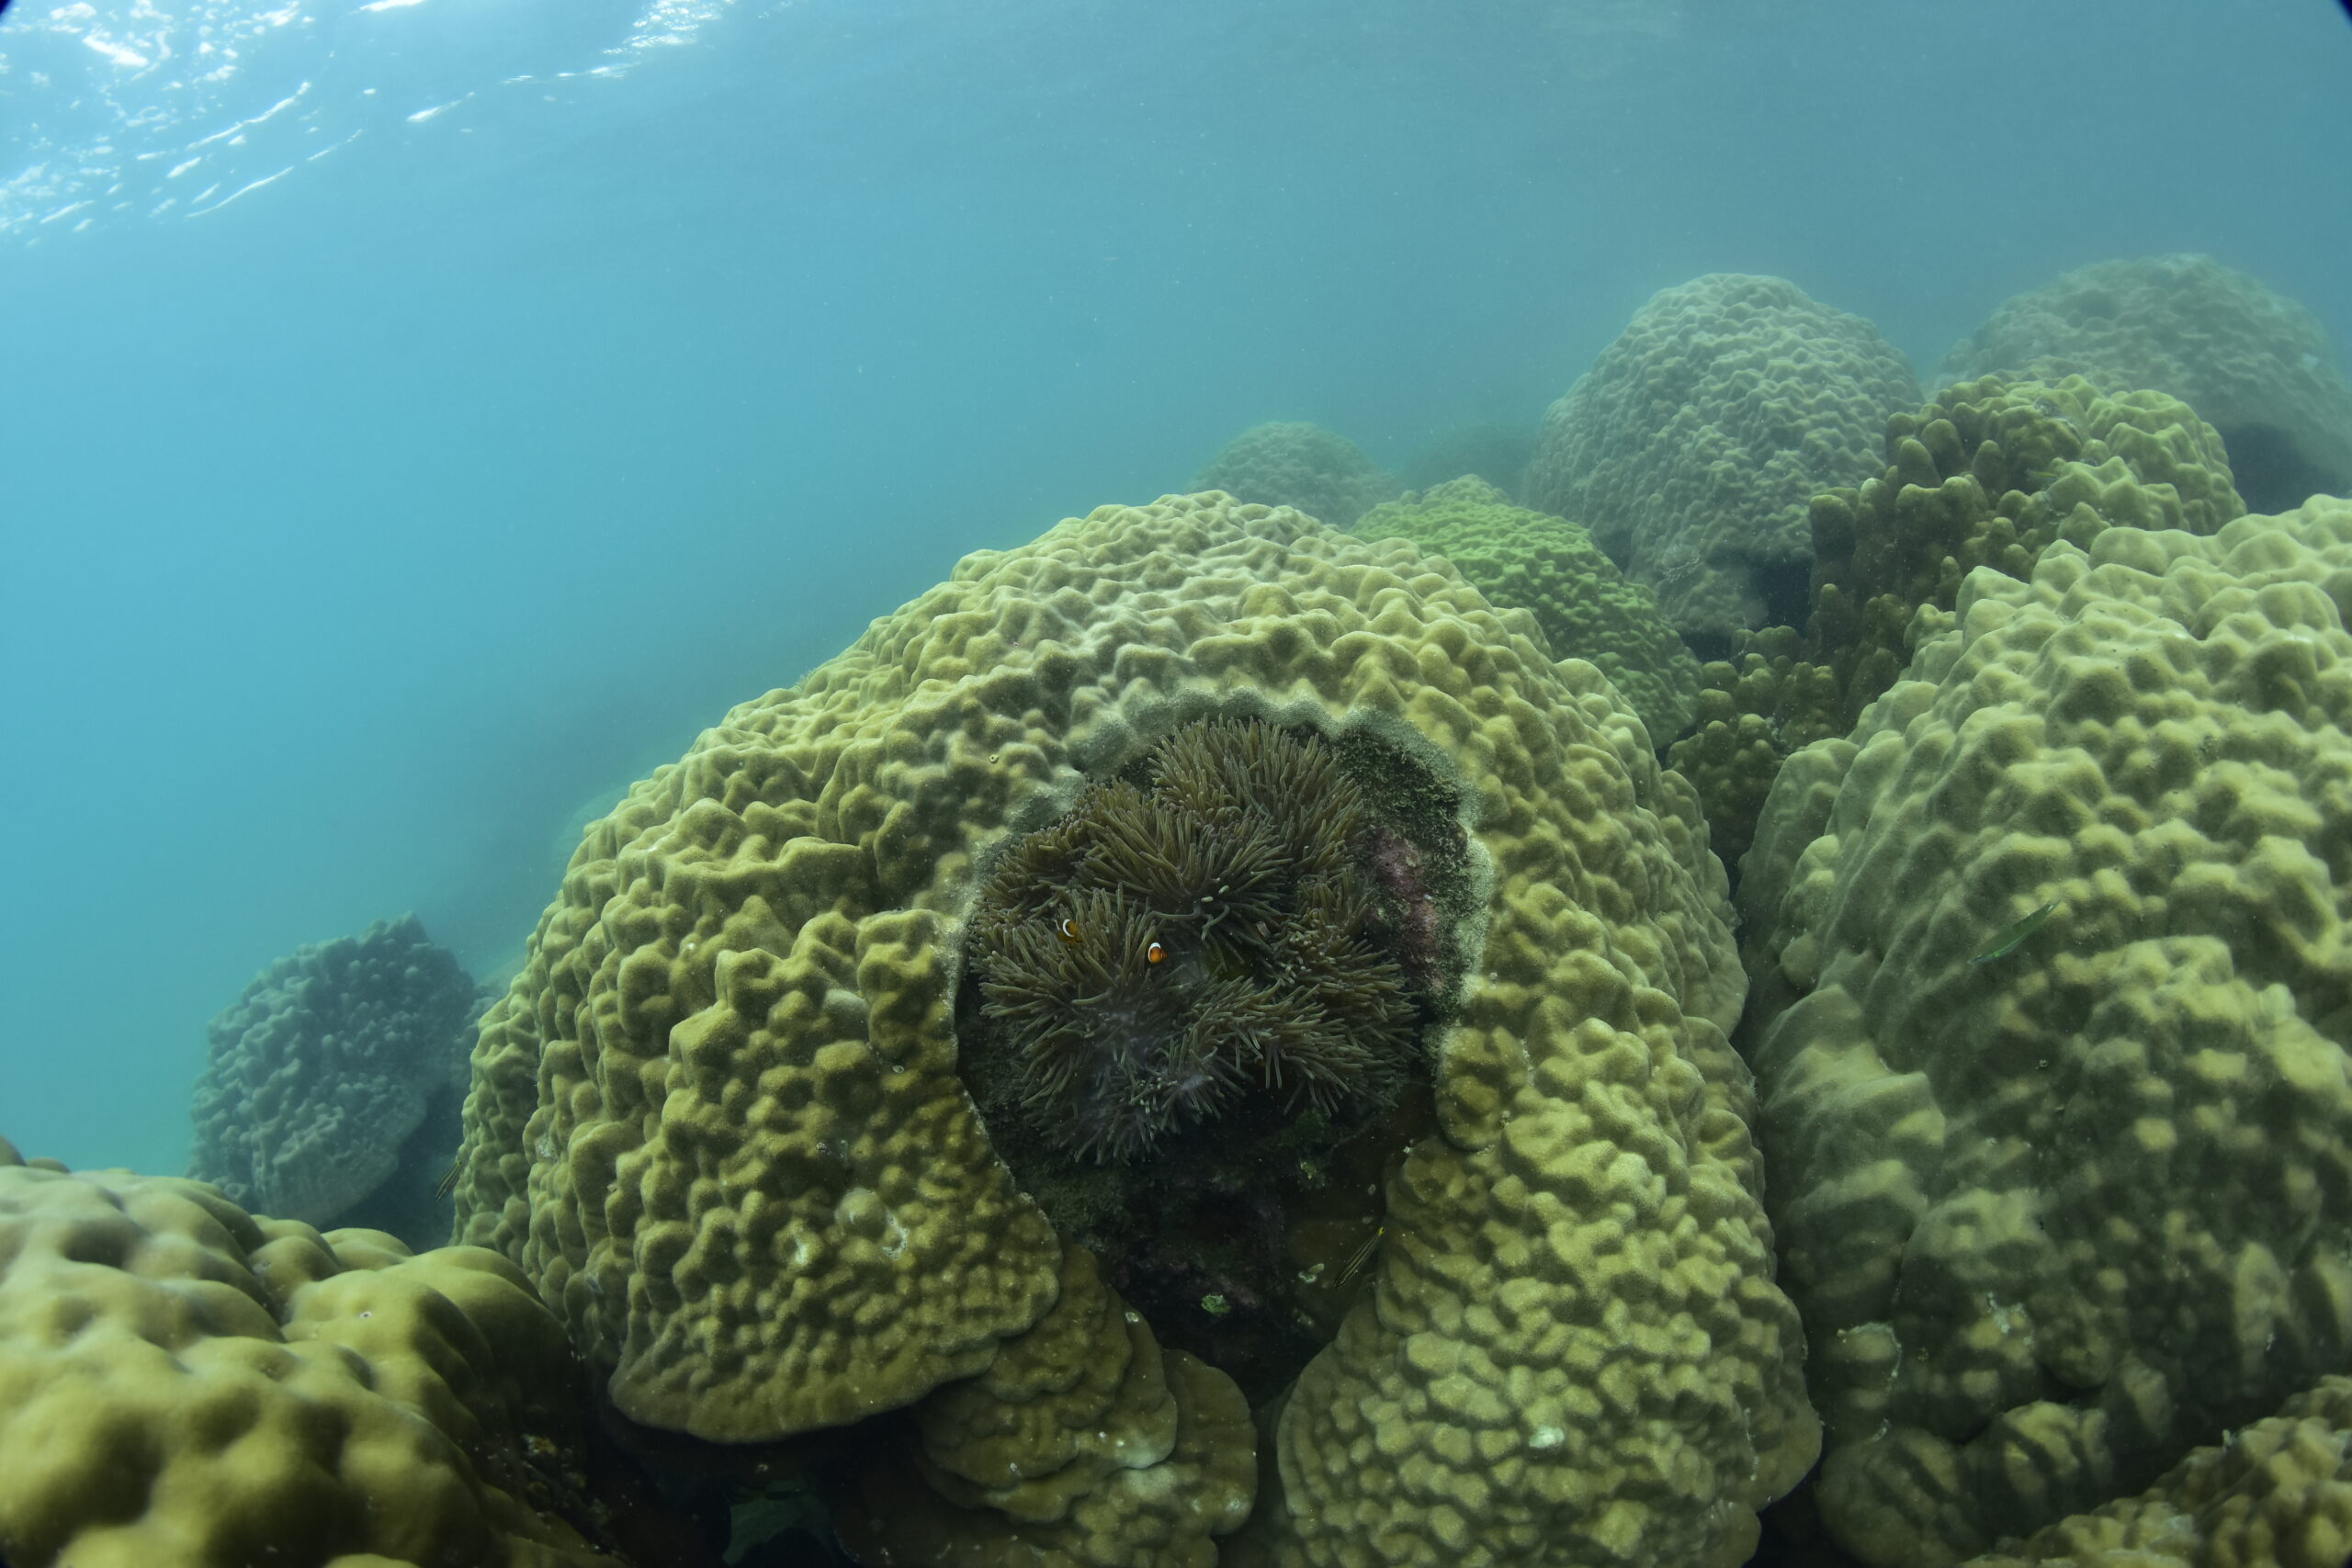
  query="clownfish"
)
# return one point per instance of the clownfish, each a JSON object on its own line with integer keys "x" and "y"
{"x": 1068, "y": 930}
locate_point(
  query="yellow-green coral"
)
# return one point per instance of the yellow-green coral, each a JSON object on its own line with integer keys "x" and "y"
{"x": 2277, "y": 1493}
{"x": 744, "y": 1169}
{"x": 1084, "y": 1445}
{"x": 183, "y": 1384}
{"x": 1989, "y": 473}
{"x": 2257, "y": 365}
{"x": 1753, "y": 711}
{"x": 1551, "y": 568}
{"x": 1693, "y": 444}
{"x": 2056, "y": 1219}
{"x": 717, "y": 1116}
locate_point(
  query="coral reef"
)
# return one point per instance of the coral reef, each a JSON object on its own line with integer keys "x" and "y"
{"x": 1988, "y": 474}
{"x": 2277, "y": 1493}
{"x": 2256, "y": 365}
{"x": 2058, "y": 1211}
{"x": 742, "y": 1167}
{"x": 720, "y": 1116}
{"x": 1290, "y": 463}
{"x": 1753, "y": 709}
{"x": 1693, "y": 445}
{"x": 1083, "y": 1446}
{"x": 1551, "y": 568}
{"x": 181, "y": 1383}
{"x": 332, "y": 1092}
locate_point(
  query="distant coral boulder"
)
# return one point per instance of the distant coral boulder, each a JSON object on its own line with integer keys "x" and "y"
{"x": 333, "y": 1092}
{"x": 1290, "y": 463}
{"x": 2255, "y": 364}
{"x": 1695, "y": 444}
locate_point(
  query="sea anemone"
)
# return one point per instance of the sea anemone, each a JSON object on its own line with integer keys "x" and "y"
{"x": 1206, "y": 931}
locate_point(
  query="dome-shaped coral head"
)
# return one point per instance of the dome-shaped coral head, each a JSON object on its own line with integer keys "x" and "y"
{"x": 1203, "y": 933}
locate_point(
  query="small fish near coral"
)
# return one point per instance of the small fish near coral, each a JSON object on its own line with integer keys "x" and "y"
{"x": 2009, "y": 941}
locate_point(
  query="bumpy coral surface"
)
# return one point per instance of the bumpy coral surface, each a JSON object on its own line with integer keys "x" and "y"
{"x": 2061, "y": 1202}
{"x": 1290, "y": 463}
{"x": 1696, "y": 442}
{"x": 717, "y": 1119}
{"x": 2258, "y": 366}
{"x": 1551, "y": 568}
{"x": 718, "y": 1116}
{"x": 1084, "y": 1445}
{"x": 1988, "y": 474}
{"x": 1752, "y": 711}
{"x": 183, "y": 1384}
{"x": 2274, "y": 1495}
{"x": 332, "y": 1061}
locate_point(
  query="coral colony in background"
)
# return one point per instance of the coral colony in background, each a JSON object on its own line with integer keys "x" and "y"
{"x": 332, "y": 1092}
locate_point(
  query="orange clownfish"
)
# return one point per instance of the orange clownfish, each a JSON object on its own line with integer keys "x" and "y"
{"x": 1067, "y": 929}
{"x": 1154, "y": 954}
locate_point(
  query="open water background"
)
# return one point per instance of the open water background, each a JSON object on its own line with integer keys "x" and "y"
{"x": 424, "y": 417}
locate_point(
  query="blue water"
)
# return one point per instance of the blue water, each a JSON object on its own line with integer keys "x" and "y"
{"x": 423, "y": 418}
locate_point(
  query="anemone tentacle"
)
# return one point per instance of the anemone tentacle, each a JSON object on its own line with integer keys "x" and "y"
{"x": 1165, "y": 946}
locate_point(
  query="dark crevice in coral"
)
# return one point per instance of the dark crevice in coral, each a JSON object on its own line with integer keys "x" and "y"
{"x": 1787, "y": 589}
{"x": 1793, "y": 1536}
{"x": 677, "y": 1501}
{"x": 1711, "y": 647}
{"x": 410, "y": 1202}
